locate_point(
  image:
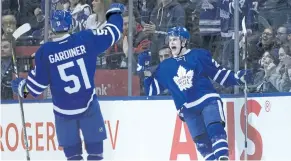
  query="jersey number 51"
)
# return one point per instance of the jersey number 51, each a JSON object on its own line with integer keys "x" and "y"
{"x": 73, "y": 77}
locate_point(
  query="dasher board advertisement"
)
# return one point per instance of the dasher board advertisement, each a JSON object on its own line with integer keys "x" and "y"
{"x": 149, "y": 130}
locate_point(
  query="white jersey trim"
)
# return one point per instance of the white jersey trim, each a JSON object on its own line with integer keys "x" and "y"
{"x": 200, "y": 100}
{"x": 36, "y": 83}
{"x": 76, "y": 111}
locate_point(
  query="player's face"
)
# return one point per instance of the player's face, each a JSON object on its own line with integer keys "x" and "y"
{"x": 175, "y": 45}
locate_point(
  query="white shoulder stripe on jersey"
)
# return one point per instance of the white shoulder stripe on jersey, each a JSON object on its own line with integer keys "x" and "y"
{"x": 32, "y": 90}
{"x": 216, "y": 75}
{"x": 157, "y": 86}
{"x": 112, "y": 35}
{"x": 76, "y": 111}
{"x": 33, "y": 72}
{"x": 118, "y": 31}
{"x": 225, "y": 77}
{"x": 35, "y": 83}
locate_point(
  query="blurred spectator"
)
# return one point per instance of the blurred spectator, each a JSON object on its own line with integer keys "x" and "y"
{"x": 209, "y": 23}
{"x": 6, "y": 70}
{"x": 140, "y": 40}
{"x": 227, "y": 27}
{"x": 145, "y": 8}
{"x": 283, "y": 35}
{"x": 192, "y": 17}
{"x": 10, "y": 7}
{"x": 281, "y": 79}
{"x": 97, "y": 19}
{"x": 269, "y": 64}
{"x": 256, "y": 50}
{"x": 275, "y": 12}
{"x": 53, "y": 5}
{"x": 80, "y": 12}
{"x": 38, "y": 28}
{"x": 167, "y": 14}
{"x": 26, "y": 12}
{"x": 8, "y": 26}
{"x": 164, "y": 53}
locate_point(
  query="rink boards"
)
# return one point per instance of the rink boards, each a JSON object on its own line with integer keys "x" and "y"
{"x": 140, "y": 128}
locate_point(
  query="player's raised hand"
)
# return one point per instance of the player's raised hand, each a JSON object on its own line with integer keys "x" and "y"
{"x": 18, "y": 86}
{"x": 245, "y": 76}
{"x": 115, "y": 8}
{"x": 143, "y": 61}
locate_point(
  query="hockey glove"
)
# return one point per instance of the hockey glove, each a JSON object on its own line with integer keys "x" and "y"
{"x": 18, "y": 86}
{"x": 143, "y": 61}
{"x": 244, "y": 76}
{"x": 115, "y": 8}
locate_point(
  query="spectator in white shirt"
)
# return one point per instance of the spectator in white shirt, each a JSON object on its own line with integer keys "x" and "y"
{"x": 97, "y": 19}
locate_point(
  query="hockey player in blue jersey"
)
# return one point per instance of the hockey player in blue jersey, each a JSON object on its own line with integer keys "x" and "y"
{"x": 187, "y": 76}
{"x": 68, "y": 65}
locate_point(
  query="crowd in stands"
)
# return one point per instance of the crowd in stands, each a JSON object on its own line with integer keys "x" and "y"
{"x": 210, "y": 23}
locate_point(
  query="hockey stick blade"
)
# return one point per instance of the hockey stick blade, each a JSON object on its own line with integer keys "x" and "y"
{"x": 21, "y": 30}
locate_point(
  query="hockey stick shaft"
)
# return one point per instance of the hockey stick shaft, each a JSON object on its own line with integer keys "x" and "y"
{"x": 245, "y": 88}
{"x": 15, "y": 36}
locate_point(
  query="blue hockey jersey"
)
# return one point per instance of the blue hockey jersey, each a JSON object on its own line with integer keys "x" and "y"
{"x": 188, "y": 78}
{"x": 227, "y": 8}
{"x": 68, "y": 65}
{"x": 209, "y": 23}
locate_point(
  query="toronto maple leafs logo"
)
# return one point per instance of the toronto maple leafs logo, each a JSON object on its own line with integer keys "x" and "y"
{"x": 184, "y": 78}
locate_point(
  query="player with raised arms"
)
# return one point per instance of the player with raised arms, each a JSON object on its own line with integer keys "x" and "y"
{"x": 187, "y": 76}
{"x": 68, "y": 65}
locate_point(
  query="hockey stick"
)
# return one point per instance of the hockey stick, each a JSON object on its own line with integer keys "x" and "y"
{"x": 17, "y": 33}
{"x": 244, "y": 29}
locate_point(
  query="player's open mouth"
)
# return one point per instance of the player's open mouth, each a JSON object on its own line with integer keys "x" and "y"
{"x": 173, "y": 47}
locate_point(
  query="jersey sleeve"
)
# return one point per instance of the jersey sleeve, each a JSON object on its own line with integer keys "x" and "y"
{"x": 103, "y": 38}
{"x": 38, "y": 78}
{"x": 153, "y": 85}
{"x": 216, "y": 72}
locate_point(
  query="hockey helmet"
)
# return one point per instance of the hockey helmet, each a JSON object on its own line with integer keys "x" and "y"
{"x": 61, "y": 21}
{"x": 179, "y": 31}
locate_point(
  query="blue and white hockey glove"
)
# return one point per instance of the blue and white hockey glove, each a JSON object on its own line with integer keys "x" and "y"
{"x": 18, "y": 86}
{"x": 115, "y": 8}
{"x": 143, "y": 61}
{"x": 244, "y": 76}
